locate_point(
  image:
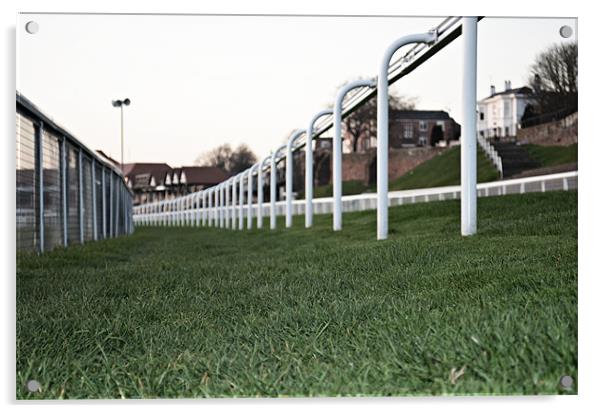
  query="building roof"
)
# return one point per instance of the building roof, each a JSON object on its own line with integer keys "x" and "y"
{"x": 204, "y": 175}
{"x": 420, "y": 114}
{"x": 516, "y": 91}
{"x": 140, "y": 174}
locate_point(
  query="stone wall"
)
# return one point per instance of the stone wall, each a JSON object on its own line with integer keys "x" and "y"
{"x": 558, "y": 133}
{"x": 362, "y": 166}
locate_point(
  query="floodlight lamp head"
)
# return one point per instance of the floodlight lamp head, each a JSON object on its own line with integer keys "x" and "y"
{"x": 126, "y": 101}
{"x": 116, "y": 103}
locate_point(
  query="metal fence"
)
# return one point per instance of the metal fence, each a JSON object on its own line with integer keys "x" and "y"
{"x": 195, "y": 212}
{"x": 66, "y": 193}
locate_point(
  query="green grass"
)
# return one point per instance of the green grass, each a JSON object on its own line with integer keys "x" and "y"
{"x": 443, "y": 170}
{"x": 553, "y": 155}
{"x": 349, "y": 188}
{"x": 190, "y": 312}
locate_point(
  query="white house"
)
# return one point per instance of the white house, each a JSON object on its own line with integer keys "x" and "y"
{"x": 500, "y": 113}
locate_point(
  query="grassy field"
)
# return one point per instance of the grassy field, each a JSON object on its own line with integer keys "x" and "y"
{"x": 187, "y": 312}
{"x": 553, "y": 155}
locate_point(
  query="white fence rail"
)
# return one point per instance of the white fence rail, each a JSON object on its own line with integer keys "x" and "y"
{"x": 491, "y": 154}
{"x": 192, "y": 216}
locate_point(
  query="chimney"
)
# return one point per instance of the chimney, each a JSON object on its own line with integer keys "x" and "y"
{"x": 508, "y": 85}
{"x": 492, "y": 90}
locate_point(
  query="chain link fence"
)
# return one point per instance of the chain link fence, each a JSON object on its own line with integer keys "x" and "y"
{"x": 66, "y": 193}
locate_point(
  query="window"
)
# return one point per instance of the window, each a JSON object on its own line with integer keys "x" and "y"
{"x": 506, "y": 109}
{"x": 422, "y": 141}
{"x": 422, "y": 125}
{"x": 408, "y": 131}
{"x": 482, "y": 116}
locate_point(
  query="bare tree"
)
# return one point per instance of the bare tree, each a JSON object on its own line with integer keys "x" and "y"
{"x": 219, "y": 157}
{"x": 242, "y": 158}
{"x": 230, "y": 160}
{"x": 554, "y": 78}
{"x": 362, "y": 122}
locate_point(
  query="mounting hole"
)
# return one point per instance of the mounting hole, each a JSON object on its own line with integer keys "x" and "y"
{"x": 566, "y": 31}
{"x": 566, "y": 382}
{"x": 32, "y": 27}
{"x": 33, "y": 386}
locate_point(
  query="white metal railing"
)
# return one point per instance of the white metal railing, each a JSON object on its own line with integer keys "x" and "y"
{"x": 492, "y": 154}
{"x": 146, "y": 215}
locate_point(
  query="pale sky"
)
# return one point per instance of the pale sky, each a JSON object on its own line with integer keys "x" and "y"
{"x": 199, "y": 81}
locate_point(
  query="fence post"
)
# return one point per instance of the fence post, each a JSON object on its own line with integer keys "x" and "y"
{"x": 250, "y": 198}
{"x": 80, "y": 184}
{"x": 39, "y": 167}
{"x": 382, "y": 119}
{"x": 64, "y": 190}
{"x": 309, "y": 168}
{"x": 289, "y": 177}
{"x": 111, "y": 205}
{"x": 260, "y": 193}
{"x": 227, "y": 203}
{"x": 94, "y": 217}
{"x": 117, "y": 202}
{"x": 104, "y": 203}
{"x": 337, "y": 157}
{"x": 241, "y": 196}
{"x": 233, "y": 206}
{"x": 273, "y": 191}
{"x": 469, "y": 123}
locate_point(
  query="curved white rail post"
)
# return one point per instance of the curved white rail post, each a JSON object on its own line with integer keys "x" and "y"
{"x": 241, "y": 200}
{"x": 289, "y": 177}
{"x": 382, "y": 130}
{"x": 309, "y": 168}
{"x": 224, "y": 204}
{"x": 337, "y": 151}
{"x": 210, "y": 206}
{"x": 204, "y": 206}
{"x": 198, "y": 208}
{"x": 221, "y": 205}
{"x": 188, "y": 210}
{"x": 172, "y": 213}
{"x": 260, "y": 192}
{"x": 468, "y": 142}
{"x": 273, "y": 173}
{"x": 227, "y": 203}
{"x": 216, "y": 206}
{"x": 181, "y": 211}
{"x": 233, "y": 207}
{"x": 250, "y": 195}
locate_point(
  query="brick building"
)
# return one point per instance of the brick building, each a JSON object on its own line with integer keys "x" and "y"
{"x": 152, "y": 182}
{"x": 409, "y": 129}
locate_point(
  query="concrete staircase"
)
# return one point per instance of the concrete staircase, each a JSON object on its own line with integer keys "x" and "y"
{"x": 515, "y": 158}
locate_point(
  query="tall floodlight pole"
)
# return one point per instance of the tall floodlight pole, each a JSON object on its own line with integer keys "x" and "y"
{"x": 337, "y": 151}
{"x": 309, "y": 168}
{"x": 120, "y": 104}
{"x": 289, "y": 176}
{"x": 273, "y": 173}
{"x": 468, "y": 140}
{"x": 260, "y": 192}
{"x": 382, "y": 128}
